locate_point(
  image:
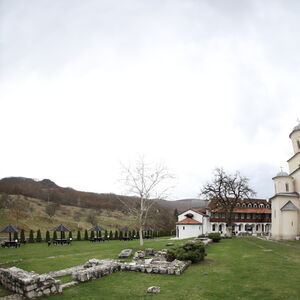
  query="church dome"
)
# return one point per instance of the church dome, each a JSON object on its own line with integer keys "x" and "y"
{"x": 281, "y": 173}
{"x": 296, "y": 128}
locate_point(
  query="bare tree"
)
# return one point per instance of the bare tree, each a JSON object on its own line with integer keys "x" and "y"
{"x": 226, "y": 190}
{"x": 146, "y": 183}
{"x": 51, "y": 209}
{"x": 92, "y": 218}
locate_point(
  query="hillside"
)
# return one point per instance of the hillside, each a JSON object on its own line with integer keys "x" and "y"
{"x": 42, "y": 204}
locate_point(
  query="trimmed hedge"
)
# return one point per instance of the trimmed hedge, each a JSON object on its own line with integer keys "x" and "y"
{"x": 215, "y": 236}
{"x": 195, "y": 252}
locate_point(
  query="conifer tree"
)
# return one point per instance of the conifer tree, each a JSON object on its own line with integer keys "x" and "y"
{"x": 86, "y": 235}
{"x": 121, "y": 235}
{"x": 22, "y": 236}
{"x": 105, "y": 234}
{"x": 47, "y": 236}
{"x": 16, "y": 236}
{"x": 116, "y": 237}
{"x": 78, "y": 235}
{"x": 54, "y": 236}
{"x": 92, "y": 235}
{"x": 31, "y": 237}
{"x": 70, "y": 235}
{"x": 63, "y": 235}
{"x": 38, "y": 236}
{"x": 111, "y": 235}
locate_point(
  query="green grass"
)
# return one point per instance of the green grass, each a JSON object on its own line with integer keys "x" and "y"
{"x": 238, "y": 268}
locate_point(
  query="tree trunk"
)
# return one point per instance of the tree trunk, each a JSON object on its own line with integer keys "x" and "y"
{"x": 229, "y": 230}
{"x": 141, "y": 237}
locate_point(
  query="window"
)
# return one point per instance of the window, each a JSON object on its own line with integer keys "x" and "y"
{"x": 254, "y": 205}
{"x": 261, "y": 206}
{"x": 298, "y": 143}
{"x": 220, "y": 227}
{"x": 286, "y": 187}
{"x": 267, "y": 206}
{"x": 214, "y": 227}
{"x": 238, "y": 205}
{"x": 243, "y": 205}
{"x": 249, "y": 205}
{"x": 183, "y": 228}
{"x": 240, "y": 227}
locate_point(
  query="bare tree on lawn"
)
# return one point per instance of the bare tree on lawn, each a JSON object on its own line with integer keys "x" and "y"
{"x": 226, "y": 190}
{"x": 146, "y": 183}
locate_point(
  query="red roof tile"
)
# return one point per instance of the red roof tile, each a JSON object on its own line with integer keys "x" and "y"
{"x": 242, "y": 210}
{"x": 189, "y": 221}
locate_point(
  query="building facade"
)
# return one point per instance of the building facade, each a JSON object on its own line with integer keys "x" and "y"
{"x": 286, "y": 201}
{"x": 250, "y": 216}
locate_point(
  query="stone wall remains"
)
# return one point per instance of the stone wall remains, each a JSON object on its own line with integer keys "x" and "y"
{"x": 29, "y": 284}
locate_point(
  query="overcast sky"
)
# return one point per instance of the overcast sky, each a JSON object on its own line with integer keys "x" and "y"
{"x": 85, "y": 85}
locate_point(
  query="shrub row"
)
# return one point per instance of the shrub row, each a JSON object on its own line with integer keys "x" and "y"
{"x": 86, "y": 235}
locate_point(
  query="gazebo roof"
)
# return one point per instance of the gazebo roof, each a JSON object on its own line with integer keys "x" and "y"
{"x": 61, "y": 228}
{"x": 9, "y": 228}
{"x": 96, "y": 228}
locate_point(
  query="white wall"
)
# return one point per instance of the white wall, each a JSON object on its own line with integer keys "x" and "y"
{"x": 188, "y": 231}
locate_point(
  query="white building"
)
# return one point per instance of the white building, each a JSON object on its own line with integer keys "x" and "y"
{"x": 250, "y": 216}
{"x": 286, "y": 202}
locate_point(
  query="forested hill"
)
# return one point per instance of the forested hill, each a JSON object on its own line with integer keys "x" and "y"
{"x": 49, "y": 191}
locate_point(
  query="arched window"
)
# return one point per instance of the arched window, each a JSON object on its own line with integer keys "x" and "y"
{"x": 214, "y": 227}
{"x": 243, "y": 205}
{"x": 298, "y": 143}
{"x": 249, "y": 205}
{"x": 240, "y": 227}
{"x": 286, "y": 187}
{"x": 254, "y": 205}
{"x": 238, "y": 205}
{"x": 261, "y": 205}
{"x": 267, "y": 206}
{"x": 220, "y": 227}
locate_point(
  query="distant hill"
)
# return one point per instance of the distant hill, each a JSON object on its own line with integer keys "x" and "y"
{"x": 49, "y": 191}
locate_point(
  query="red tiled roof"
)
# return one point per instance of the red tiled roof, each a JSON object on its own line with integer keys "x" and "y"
{"x": 189, "y": 221}
{"x": 242, "y": 210}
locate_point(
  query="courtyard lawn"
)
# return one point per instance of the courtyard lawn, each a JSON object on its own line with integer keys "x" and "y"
{"x": 238, "y": 268}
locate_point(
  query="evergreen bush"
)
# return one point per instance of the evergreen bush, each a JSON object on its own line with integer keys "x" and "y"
{"x": 22, "y": 236}
{"x": 16, "y": 237}
{"x": 31, "y": 237}
{"x": 54, "y": 236}
{"x": 111, "y": 235}
{"x": 38, "y": 236}
{"x": 70, "y": 235}
{"x": 116, "y": 237}
{"x": 195, "y": 252}
{"x": 78, "y": 235}
{"x": 86, "y": 235}
{"x": 47, "y": 236}
{"x": 92, "y": 235}
{"x": 215, "y": 236}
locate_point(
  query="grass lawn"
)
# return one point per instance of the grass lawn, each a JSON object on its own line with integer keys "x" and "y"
{"x": 238, "y": 268}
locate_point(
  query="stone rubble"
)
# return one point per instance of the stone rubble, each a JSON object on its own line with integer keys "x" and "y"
{"x": 153, "y": 289}
{"x": 29, "y": 284}
{"x": 95, "y": 268}
{"x": 125, "y": 253}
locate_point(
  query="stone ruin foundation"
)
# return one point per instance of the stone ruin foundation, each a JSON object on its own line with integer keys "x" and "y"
{"x": 33, "y": 285}
{"x": 29, "y": 284}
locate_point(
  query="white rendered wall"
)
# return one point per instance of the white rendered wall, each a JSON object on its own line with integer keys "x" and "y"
{"x": 188, "y": 231}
